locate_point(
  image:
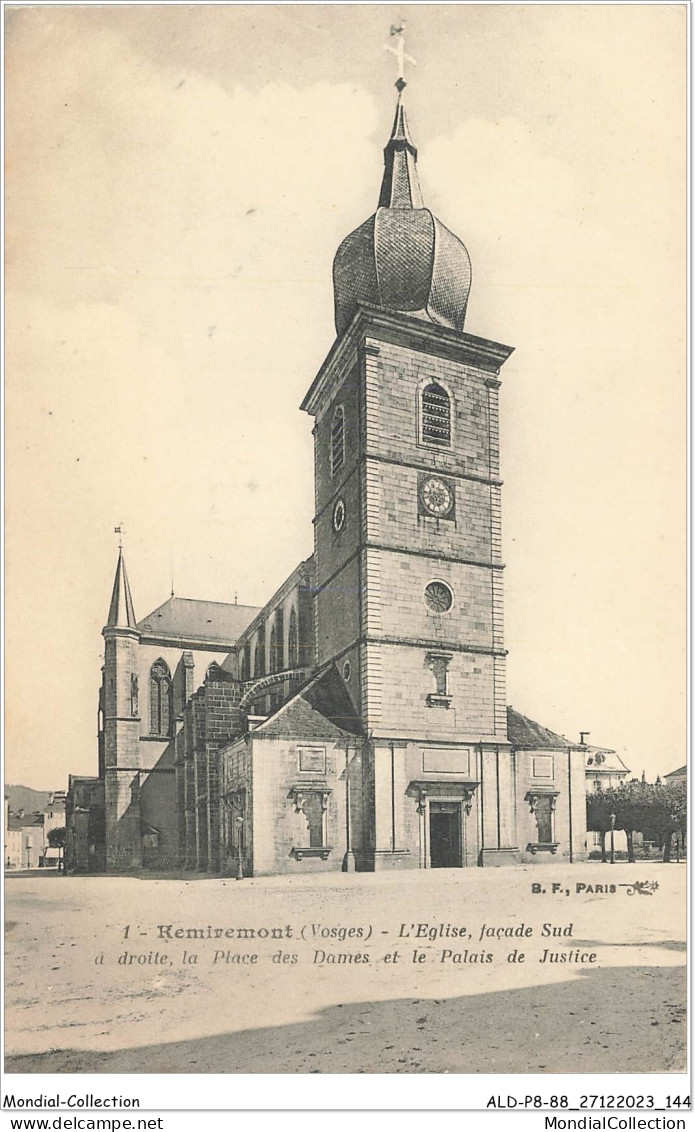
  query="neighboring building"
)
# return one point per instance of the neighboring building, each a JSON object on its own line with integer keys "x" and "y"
{"x": 605, "y": 769}
{"x": 12, "y": 840}
{"x": 359, "y": 719}
{"x": 675, "y": 776}
{"x": 53, "y": 818}
{"x": 26, "y": 835}
{"x": 54, "y": 811}
{"x": 27, "y": 841}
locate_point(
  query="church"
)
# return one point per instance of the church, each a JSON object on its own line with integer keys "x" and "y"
{"x": 359, "y": 720}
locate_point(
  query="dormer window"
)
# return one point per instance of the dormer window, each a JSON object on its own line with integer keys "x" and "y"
{"x": 337, "y": 440}
{"x": 435, "y": 416}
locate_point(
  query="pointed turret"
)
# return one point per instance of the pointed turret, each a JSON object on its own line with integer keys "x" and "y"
{"x": 119, "y": 732}
{"x": 121, "y": 613}
{"x": 400, "y": 187}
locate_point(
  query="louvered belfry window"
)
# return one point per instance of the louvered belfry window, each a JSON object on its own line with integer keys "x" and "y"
{"x": 436, "y": 416}
{"x": 338, "y": 440}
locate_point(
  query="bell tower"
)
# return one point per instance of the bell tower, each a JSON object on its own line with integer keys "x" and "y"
{"x": 409, "y": 567}
{"x": 119, "y": 738}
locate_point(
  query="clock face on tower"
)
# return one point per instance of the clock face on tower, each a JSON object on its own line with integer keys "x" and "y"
{"x": 436, "y": 497}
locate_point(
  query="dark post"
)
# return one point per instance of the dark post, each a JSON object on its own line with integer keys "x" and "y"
{"x": 612, "y": 839}
{"x": 569, "y": 798}
{"x": 349, "y": 858}
{"x": 239, "y": 865}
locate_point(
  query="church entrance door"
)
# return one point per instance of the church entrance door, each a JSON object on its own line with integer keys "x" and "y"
{"x": 445, "y": 835}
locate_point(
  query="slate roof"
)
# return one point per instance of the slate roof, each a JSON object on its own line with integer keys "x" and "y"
{"x": 29, "y": 821}
{"x": 682, "y": 772}
{"x": 610, "y": 763}
{"x": 320, "y": 710}
{"x": 121, "y": 612}
{"x": 526, "y": 735}
{"x": 190, "y": 619}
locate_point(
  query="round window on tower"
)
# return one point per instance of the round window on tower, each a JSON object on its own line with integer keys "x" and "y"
{"x": 438, "y": 597}
{"x": 339, "y": 514}
{"x": 347, "y": 671}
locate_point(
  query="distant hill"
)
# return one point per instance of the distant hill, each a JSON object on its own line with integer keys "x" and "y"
{"x": 24, "y": 798}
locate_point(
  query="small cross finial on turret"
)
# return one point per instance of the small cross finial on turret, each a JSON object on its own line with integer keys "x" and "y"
{"x": 398, "y": 30}
{"x": 120, "y": 531}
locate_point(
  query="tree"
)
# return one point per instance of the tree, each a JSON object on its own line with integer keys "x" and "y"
{"x": 598, "y": 816}
{"x": 56, "y": 840}
{"x": 657, "y": 810}
{"x": 632, "y": 801}
{"x": 670, "y": 812}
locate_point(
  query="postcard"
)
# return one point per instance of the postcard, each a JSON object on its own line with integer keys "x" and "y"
{"x": 345, "y": 587}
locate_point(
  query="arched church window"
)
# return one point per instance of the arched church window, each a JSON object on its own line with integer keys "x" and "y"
{"x": 293, "y": 641}
{"x": 274, "y": 650}
{"x": 435, "y": 416}
{"x": 161, "y": 713}
{"x": 278, "y": 649}
{"x": 259, "y": 655}
{"x": 337, "y": 440}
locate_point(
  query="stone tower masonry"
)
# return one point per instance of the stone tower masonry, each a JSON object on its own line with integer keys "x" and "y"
{"x": 408, "y": 510}
{"x": 121, "y": 728}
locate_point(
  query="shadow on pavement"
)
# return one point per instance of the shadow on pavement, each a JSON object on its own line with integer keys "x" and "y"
{"x": 664, "y": 944}
{"x": 609, "y": 1020}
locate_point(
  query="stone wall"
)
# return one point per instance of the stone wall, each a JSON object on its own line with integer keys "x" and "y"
{"x": 559, "y": 775}
{"x": 210, "y": 719}
{"x": 291, "y": 778}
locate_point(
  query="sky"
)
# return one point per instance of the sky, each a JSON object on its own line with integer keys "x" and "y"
{"x": 178, "y": 181}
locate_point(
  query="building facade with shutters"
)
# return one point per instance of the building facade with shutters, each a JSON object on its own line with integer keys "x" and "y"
{"x": 359, "y": 720}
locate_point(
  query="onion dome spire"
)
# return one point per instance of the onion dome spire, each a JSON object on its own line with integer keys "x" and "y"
{"x": 121, "y": 613}
{"x": 402, "y": 258}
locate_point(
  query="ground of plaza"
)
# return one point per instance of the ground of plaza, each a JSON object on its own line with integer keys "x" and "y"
{"x": 75, "y": 1004}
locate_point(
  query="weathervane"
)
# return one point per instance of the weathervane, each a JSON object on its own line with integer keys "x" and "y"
{"x": 120, "y": 531}
{"x": 398, "y": 30}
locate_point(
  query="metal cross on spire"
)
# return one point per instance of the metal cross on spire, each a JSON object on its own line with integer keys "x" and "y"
{"x": 398, "y": 32}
